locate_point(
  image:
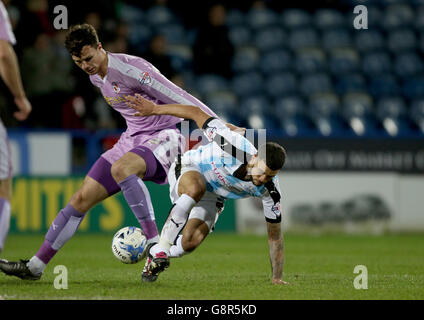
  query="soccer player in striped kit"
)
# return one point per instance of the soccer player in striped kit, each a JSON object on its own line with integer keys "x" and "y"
{"x": 229, "y": 167}
{"x": 144, "y": 152}
{"x": 10, "y": 74}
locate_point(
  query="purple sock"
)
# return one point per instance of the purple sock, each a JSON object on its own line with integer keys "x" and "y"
{"x": 62, "y": 229}
{"x": 138, "y": 198}
{"x": 4, "y": 220}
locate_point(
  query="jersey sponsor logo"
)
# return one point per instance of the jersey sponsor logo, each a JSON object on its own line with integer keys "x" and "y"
{"x": 145, "y": 78}
{"x": 219, "y": 175}
{"x": 115, "y": 87}
{"x": 276, "y": 208}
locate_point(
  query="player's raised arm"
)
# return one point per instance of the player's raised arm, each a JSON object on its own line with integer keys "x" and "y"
{"x": 147, "y": 108}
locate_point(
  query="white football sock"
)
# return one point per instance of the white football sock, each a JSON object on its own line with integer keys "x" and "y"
{"x": 177, "y": 251}
{"x": 176, "y": 222}
{"x": 36, "y": 266}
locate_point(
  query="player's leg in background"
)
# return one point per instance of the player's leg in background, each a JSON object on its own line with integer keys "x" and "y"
{"x": 5, "y": 196}
{"x": 67, "y": 222}
{"x": 140, "y": 163}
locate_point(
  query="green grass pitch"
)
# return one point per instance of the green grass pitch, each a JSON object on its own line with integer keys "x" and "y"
{"x": 230, "y": 266}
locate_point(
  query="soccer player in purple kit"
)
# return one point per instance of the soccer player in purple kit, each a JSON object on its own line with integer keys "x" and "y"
{"x": 144, "y": 152}
{"x": 10, "y": 74}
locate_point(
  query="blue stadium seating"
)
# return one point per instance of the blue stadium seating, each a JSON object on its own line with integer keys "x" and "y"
{"x": 343, "y": 61}
{"x": 376, "y": 63}
{"x": 329, "y": 19}
{"x": 369, "y": 40}
{"x": 315, "y": 83}
{"x": 310, "y": 60}
{"x": 384, "y": 85}
{"x": 209, "y": 83}
{"x": 270, "y": 38}
{"x": 336, "y": 38}
{"x": 402, "y": 40}
{"x": 417, "y": 114}
{"x": 303, "y": 38}
{"x": 240, "y": 35}
{"x": 275, "y": 61}
{"x": 247, "y": 84}
{"x": 392, "y": 113}
{"x": 258, "y": 18}
{"x": 408, "y": 64}
{"x": 350, "y": 83}
{"x": 295, "y": 18}
{"x": 413, "y": 88}
{"x": 246, "y": 59}
{"x": 397, "y": 16}
{"x": 280, "y": 84}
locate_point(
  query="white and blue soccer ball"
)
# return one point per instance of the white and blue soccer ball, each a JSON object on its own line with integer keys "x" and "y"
{"x": 129, "y": 244}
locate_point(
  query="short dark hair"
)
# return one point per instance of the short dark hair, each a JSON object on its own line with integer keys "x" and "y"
{"x": 79, "y": 36}
{"x": 273, "y": 154}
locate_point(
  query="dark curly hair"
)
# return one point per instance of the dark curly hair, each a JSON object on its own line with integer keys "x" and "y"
{"x": 273, "y": 154}
{"x": 79, "y": 36}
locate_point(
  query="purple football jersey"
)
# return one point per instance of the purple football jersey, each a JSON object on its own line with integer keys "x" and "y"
{"x": 128, "y": 75}
{"x": 6, "y": 32}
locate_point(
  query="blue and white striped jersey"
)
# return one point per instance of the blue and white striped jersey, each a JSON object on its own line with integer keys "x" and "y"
{"x": 218, "y": 162}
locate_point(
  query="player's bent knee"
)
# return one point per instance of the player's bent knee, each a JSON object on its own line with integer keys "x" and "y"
{"x": 128, "y": 165}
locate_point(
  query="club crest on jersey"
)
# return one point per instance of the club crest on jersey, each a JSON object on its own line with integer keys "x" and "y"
{"x": 115, "y": 87}
{"x": 145, "y": 78}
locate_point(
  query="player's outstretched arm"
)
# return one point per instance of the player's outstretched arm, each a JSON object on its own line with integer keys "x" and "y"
{"x": 10, "y": 73}
{"x": 276, "y": 252}
{"x": 147, "y": 108}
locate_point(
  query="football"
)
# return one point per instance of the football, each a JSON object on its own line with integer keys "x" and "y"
{"x": 128, "y": 244}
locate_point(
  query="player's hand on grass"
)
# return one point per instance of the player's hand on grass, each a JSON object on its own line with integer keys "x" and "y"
{"x": 279, "y": 281}
{"x": 24, "y": 107}
{"x": 236, "y": 129}
{"x": 143, "y": 106}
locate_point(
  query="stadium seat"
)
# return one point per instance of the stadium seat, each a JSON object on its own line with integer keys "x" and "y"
{"x": 417, "y": 114}
{"x": 255, "y": 112}
{"x": 315, "y": 83}
{"x": 295, "y": 18}
{"x": 369, "y": 40}
{"x": 240, "y": 35}
{"x": 270, "y": 38}
{"x": 209, "y": 83}
{"x": 158, "y": 15}
{"x": 222, "y": 100}
{"x": 419, "y": 19}
{"x": 292, "y": 117}
{"x": 336, "y": 38}
{"x": 133, "y": 15}
{"x": 139, "y": 36}
{"x": 408, "y": 64}
{"x": 397, "y": 16}
{"x": 280, "y": 84}
{"x": 343, "y": 61}
{"x": 392, "y": 113}
{"x": 358, "y": 111}
{"x": 235, "y": 17}
{"x": 173, "y": 32}
{"x": 275, "y": 61}
{"x": 303, "y": 38}
{"x": 376, "y": 63}
{"x": 329, "y": 19}
{"x": 257, "y": 18}
{"x": 310, "y": 60}
{"x": 349, "y": 83}
{"x": 324, "y": 110}
{"x": 413, "y": 88}
{"x": 401, "y": 40}
{"x": 181, "y": 57}
{"x": 247, "y": 84}
{"x": 384, "y": 85}
{"x": 246, "y": 58}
